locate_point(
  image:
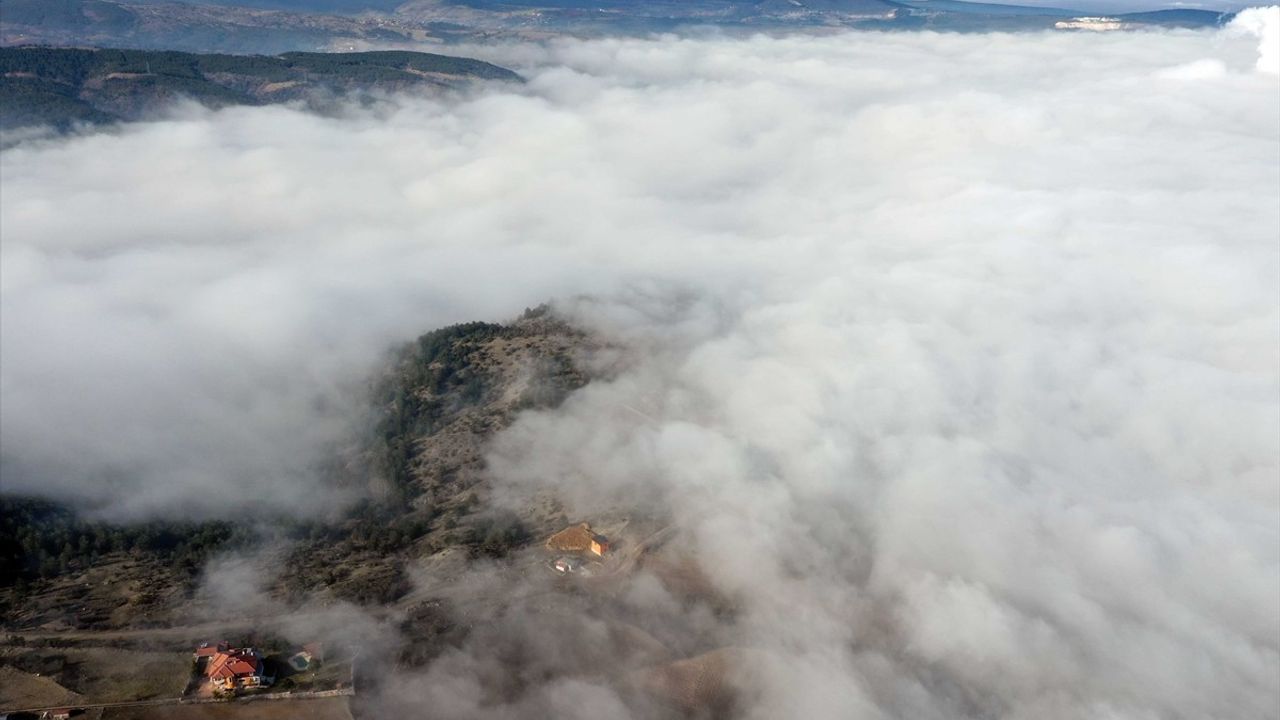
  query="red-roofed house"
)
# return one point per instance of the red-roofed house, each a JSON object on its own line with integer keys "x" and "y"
{"x": 236, "y": 668}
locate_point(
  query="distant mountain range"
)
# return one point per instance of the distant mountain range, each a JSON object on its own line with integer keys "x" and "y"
{"x": 196, "y": 27}
{"x": 273, "y": 26}
{"x": 41, "y": 85}
{"x": 60, "y": 87}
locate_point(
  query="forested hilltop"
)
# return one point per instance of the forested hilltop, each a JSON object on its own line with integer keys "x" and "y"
{"x": 433, "y": 408}
{"x": 61, "y": 87}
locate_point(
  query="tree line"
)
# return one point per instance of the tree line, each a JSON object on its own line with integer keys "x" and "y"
{"x": 42, "y": 539}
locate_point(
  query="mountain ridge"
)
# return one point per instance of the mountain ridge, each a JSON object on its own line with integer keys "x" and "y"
{"x": 61, "y": 87}
{"x": 274, "y": 26}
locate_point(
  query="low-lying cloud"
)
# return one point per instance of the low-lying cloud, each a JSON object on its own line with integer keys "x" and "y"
{"x": 957, "y": 357}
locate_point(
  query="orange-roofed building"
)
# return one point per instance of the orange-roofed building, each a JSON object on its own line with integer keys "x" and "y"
{"x": 578, "y": 539}
{"x": 237, "y": 668}
{"x": 208, "y": 650}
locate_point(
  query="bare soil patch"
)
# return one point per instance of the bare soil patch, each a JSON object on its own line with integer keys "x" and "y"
{"x": 318, "y": 709}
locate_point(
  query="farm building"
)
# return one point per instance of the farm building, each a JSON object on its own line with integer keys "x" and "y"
{"x": 578, "y": 539}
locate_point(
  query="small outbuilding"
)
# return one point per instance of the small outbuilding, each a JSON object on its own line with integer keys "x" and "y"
{"x": 566, "y": 565}
{"x": 208, "y": 650}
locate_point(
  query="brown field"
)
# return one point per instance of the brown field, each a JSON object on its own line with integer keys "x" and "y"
{"x": 21, "y": 689}
{"x": 320, "y": 709}
{"x": 97, "y": 674}
{"x": 111, "y": 674}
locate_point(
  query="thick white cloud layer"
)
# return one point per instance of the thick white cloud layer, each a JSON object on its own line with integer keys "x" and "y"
{"x": 958, "y": 356}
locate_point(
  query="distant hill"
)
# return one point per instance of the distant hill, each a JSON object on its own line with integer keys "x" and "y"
{"x": 959, "y": 15}
{"x": 68, "y": 13}
{"x": 603, "y": 16}
{"x": 64, "y": 86}
{"x": 982, "y": 8}
{"x": 273, "y": 26}
{"x": 1180, "y": 17}
{"x": 239, "y": 28}
{"x": 325, "y": 6}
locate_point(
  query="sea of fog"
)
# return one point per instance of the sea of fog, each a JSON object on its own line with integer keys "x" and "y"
{"x": 956, "y": 357}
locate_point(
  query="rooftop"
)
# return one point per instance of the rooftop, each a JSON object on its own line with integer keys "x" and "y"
{"x": 577, "y": 538}
{"x": 237, "y": 663}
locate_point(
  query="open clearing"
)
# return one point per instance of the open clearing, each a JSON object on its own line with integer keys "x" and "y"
{"x": 23, "y": 689}
{"x": 98, "y": 675}
{"x": 335, "y": 708}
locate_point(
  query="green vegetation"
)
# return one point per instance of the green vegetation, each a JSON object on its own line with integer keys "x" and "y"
{"x": 65, "y": 86}
{"x": 75, "y": 65}
{"x": 35, "y": 101}
{"x": 443, "y": 374}
{"x": 495, "y": 535}
{"x": 397, "y": 61}
{"x": 433, "y": 408}
{"x": 358, "y": 558}
{"x": 433, "y": 379}
{"x": 40, "y": 539}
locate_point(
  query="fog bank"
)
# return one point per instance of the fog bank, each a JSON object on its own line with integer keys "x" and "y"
{"x": 957, "y": 357}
